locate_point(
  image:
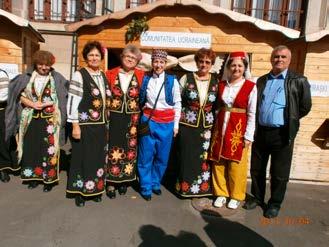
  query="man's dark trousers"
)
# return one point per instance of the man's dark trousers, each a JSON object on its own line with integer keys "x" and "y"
{"x": 271, "y": 141}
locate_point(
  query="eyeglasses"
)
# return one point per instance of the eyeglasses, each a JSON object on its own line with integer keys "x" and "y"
{"x": 130, "y": 57}
{"x": 204, "y": 61}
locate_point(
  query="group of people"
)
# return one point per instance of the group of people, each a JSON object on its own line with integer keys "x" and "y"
{"x": 123, "y": 123}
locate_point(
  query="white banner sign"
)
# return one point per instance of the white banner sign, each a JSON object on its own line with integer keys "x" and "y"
{"x": 176, "y": 39}
{"x": 10, "y": 68}
{"x": 319, "y": 88}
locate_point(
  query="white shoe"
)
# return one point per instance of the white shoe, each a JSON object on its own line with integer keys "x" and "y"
{"x": 220, "y": 201}
{"x": 233, "y": 204}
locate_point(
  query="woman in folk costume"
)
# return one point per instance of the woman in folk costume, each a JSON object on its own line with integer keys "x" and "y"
{"x": 199, "y": 95}
{"x": 233, "y": 131}
{"x": 42, "y": 94}
{"x": 161, "y": 103}
{"x": 125, "y": 83}
{"x": 8, "y": 157}
{"x": 88, "y": 102}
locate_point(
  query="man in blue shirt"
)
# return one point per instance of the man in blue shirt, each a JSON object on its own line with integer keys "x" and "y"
{"x": 283, "y": 99}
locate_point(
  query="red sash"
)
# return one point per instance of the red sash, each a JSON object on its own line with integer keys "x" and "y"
{"x": 160, "y": 116}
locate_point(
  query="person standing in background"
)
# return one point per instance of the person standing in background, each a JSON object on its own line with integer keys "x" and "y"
{"x": 8, "y": 157}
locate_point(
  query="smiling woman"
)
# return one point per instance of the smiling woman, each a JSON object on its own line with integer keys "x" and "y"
{"x": 89, "y": 99}
{"x": 233, "y": 131}
{"x": 42, "y": 93}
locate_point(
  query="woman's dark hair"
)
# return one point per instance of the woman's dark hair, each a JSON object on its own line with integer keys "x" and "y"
{"x": 90, "y": 46}
{"x": 203, "y": 52}
{"x": 43, "y": 57}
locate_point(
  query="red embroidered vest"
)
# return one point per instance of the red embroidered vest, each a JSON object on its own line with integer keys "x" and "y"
{"x": 128, "y": 102}
{"x": 230, "y": 145}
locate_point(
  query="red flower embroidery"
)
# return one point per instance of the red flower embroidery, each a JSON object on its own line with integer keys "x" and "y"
{"x": 38, "y": 171}
{"x": 115, "y": 170}
{"x": 132, "y": 142}
{"x": 116, "y": 91}
{"x": 131, "y": 155}
{"x": 52, "y": 173}
{"x": 49, "y": 109}
{"x": 133, "y": 92}
{"x": 134, "y": 118}
{"x": 51, "y": 139}
{"x": 204, "y": 166}
{"x": 100, "y": 184}
{"x": 47, "y": 91}
{"x": 204, "y": 186}
{"x": 191, "y": 86}
{"x": 185, "y": 186}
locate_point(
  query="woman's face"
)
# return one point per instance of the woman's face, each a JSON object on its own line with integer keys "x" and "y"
{"x": 158, "y": 65}
{"x": 204, "y": 65}
{"x": 94, "y": 59}
{"x": 129, "y": 61}
{"x": 43, "y": 69}
{"x": 237, "y": 69}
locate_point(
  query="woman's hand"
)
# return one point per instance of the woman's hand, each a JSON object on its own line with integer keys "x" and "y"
{"x": 37, "y": 105}
{"x": 175, "y": 132}
{"x": 76, "y": 131}
{"x": 247, "y": 143}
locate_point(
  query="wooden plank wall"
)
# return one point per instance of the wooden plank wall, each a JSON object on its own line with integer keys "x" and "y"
{"x": 310, "y": 161}
{"x": 10, "y": 43}
{"x": 228, "y": 36}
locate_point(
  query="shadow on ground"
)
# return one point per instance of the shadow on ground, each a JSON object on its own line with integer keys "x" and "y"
{"x": 224, "y": 232}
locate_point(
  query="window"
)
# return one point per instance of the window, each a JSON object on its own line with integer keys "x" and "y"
{"x": 283, "y": 12}
{"x": 71, "y": 14}
{"x": 108, "y": 7}
{"x": 88, "y": 8}
{"x": 135, "y": 3}
{"x": 56, "y": 10}
{"x": 38, "y": 10}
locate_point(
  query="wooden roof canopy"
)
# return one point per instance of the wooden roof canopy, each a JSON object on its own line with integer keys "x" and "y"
{"x": 207, "y": 8}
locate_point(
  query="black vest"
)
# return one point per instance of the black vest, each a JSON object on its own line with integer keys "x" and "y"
{"x": 91, "y": 108}
{"x": 192, "y": 111}
{"x": 45, "y": 96}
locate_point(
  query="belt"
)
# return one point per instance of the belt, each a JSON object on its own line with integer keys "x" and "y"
{"x": 270, "y": 128}
{"x": 233, "y": 109}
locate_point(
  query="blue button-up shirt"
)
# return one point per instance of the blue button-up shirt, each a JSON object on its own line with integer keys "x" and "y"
{"x": 273, "y": 101}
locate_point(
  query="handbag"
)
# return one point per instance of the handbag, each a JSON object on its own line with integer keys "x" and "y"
{"x": 144, "y": 128}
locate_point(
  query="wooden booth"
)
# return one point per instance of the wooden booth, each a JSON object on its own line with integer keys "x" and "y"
{"x": 18, "y": 41}
{"x": 185, "y": 26}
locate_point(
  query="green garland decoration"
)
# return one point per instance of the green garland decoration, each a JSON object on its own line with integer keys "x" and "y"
{"x": 135, "y": 28}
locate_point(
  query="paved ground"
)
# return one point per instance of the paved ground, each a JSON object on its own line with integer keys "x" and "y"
{"x": 34, "y": 218}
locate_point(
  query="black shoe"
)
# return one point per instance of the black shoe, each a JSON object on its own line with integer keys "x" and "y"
{"x": 79, "y": 201}
{"x": 271, "y": 212}
{"x": 47, "y": 187}
{"x": 97, "y": 198}
{"x": 32, "y": 185}
{"x": 110, "y": 194}
{"x": 147, "y": 197}
{"x": 122, "y": 189}
{"x": 157, "y": 192}
{"x": 252, "y": 203}
{"x": 4, "y": 176}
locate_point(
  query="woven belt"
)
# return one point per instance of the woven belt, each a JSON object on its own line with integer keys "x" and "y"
{"x": 234, "y": 109}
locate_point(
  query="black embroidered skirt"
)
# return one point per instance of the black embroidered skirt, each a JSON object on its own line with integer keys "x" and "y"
{"x": 122, "y": 154}
{"x": 87, "y": 169}
{"x": 194, "y": 176}
{"x": 40, "y": 160}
